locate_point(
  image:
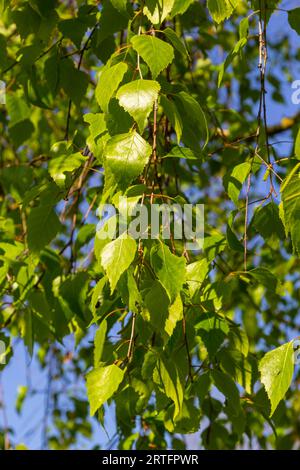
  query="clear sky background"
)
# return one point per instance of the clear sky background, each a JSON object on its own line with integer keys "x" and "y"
{"x": 22, "y": 369}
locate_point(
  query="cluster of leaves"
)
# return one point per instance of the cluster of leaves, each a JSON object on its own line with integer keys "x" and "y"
{"x": 114, "y": 99}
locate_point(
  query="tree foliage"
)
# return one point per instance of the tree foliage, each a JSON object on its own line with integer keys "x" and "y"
{"x": 159, "y": 101}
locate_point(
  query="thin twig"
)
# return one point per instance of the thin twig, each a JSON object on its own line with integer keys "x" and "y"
{"x": 85, "y": 46}
{"x": 138, "y": 63}
{"x": 262, "y": 115}
{"x": 285, "y": 125}
{"x": 131, "y": 341}
{"x": 89, "y": 209}
{"x": 16, "y": 62}
{"x": 8, "y": 320}
{"x": 189, "y": 359}
{"x": 246, "y": 221}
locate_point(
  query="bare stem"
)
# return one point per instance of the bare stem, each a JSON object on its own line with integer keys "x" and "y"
{"x": 131, "y": 341}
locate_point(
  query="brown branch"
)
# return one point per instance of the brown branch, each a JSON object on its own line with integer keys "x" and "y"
{"x": 261, "y": 117}
{"x": 16, "y": 62}
{"x": 78, "y": 190}
{"x": 8, "y": 320}
{"x": 131, "y": 341}
{"x": 89, "y": 209}
{"x": 286, "y": 124}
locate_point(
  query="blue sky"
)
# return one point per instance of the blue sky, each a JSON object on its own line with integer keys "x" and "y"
{"x": 22, "y": 369}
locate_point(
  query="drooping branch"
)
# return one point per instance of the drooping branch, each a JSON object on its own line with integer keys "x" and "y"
{"x": 83, "y": 50}
{"x": 286, "y": 124}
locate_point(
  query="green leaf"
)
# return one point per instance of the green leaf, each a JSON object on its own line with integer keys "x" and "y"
{"x": 73, "y": 291}
{"x": 213, "y": 331}
{"x": 182, "y": 152}
{"x": 48, "y": 21}
{"x": 17, "y": 108}
{"x": 120, "y": 5}
{"x": 135, "y": 299}
{"x": 5, "y": 350}
{"x": 290, "y": 195}
{"x": 239, "y": 340}
{"x": 229, "y": 389}
{"x": 3, "y": 5}
{"x": 214, "y": 244}
{"x": 187, "y": 422}
{"x": 33, "y": 89}
{"x": 116, "y": 257}
{"x": 170, "y": 269}
{"x": 229, "y": 59}
{"x": 22, "y": 393}
{"x": 237, "y": 417}
{"x": 220, "y": 10}
{"x": 97, "y": 294}
{"x": 138, "y": 98}
{"x": 21, "y": 132}
{"x": 42, "y": 226}
{"x": 233, "y": 181}
{"x": 195, "y": 274}
{"x": 9, "y": 251}
{"x": 202, "y": 386}
{"x": 43, "y": 7}
{"x": 126, "y": 156}
{"x": 51, "y": 72}
{"x": 262, "y": 403}
{"x": 176, "y": 42}
{"x": 108, "y": 83}
{"x": 27, "y": 21}
{"x": 74, "y": 29}
{"x": 166, "y": 374}
{"x": 232, "y": 239}
{"x": 101, "y": 384}
{"x": 3, "y": 54}
{"x": 174, "y": 316}
{"x": 265, "y": 277}
{"x": 28, "y": 55}
{"x": 294, "y": 19}
{"x": 173, "y": 115}
{"x": 98, "y": 133}
{"x": 244, "y": 28}
{"x": 99, "y": 341}
{"x": 76, "y": 87}
{"x": 150, "y": 360}
{"x": 157, "y": 10}
{"x": 276, "y": 370}
{"x": 180, "y": 6}
{"x": 62, "y": 164}
{"x": 156, "y": 53}
{"x": 267, "y": 222}
{"x": 157, "y": 302}
{"x": 243, "y": 370}
{"x": 27, "y": 332}
{"x": 297, "y": 142}
{"x": 97, "y": 124}
{"x": 194, "y": 120}
{"x": 111, "y": 20}
{"x": 104, "y": 235}
{"x": 118, "y": 121}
